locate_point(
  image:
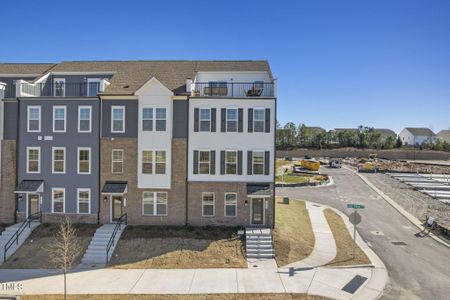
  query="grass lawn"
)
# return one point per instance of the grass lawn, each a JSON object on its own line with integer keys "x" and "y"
{"x": 177, "y": 297}
{"x": 293, "y": 235}
{"x": 179, "y": 247}
{"x": 33, "y": 254}
{"x": 344, "y": 242}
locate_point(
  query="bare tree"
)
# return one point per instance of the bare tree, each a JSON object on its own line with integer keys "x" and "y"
{"x": 65, "y": 249}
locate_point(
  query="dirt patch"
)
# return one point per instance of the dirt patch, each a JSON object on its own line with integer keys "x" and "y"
{"x": 267, "y": 296}
{"x": 344, "y": 242}
{"x": 33, "y": 254}
{"x": 293, "y": 236}
{"x": 386, "y": 165}
{"x": 176, "y": 247}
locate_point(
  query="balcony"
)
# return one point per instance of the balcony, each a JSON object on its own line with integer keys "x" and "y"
{"x": 60, "y": 89}
{"x": 257, "y": 89}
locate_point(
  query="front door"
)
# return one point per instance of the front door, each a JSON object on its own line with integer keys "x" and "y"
{"x": 33, "y": 204}
{"x": 116, "y": 207}
{"x": 257, "y": 211}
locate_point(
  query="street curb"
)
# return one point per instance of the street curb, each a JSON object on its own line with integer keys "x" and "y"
{"x": 399, "y": 208}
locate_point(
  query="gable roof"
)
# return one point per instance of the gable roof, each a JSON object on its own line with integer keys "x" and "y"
{"x": 444, "y": 135}
{"x": 419, "y": 131}
{"x": 386, "y": 132}
{"x": 24, "y": 69}
{"x": 129, "y": 76}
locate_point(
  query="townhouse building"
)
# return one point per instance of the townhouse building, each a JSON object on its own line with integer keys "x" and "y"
{"x": 164, "y": 142}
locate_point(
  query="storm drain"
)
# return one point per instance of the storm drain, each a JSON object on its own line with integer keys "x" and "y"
{"x": 399, "y": 243}
{"x": 353, "y": 285}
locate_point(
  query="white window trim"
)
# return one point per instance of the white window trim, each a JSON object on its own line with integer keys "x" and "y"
{"x": 237, "y": 118}
{"x": 253, "y": 161}
{"x": 152, "y": 119}
{"x": 90, "y": 118}
{"x": 214, "y": 205}
{"x": 225, "y": 205}
{"x": 53, "y": 160}
{"x": 54, "y": 117}
{"x": 56, "y": 79}
{"x": 78, "y": 160}
{"x": 112, "y": 160}
{"x": 236, "y": 152}
{"x": 153, "y": 151}
{"x": 29, "y": 107}
{"x": 209, "y": 162}
{"x": 92, "y": 80}
{"x": 156, "y": 119}
{"x": 64, "y": 200}
{"x": 78, "y": 200}
{"x": 155, "y": 162}
{"x": 113, "y": 107}
{"x": 264, "y": 119}
{"x": 200, "y": 119}
{"x": 155, "y": 203}
{"x": 39, "y": 160}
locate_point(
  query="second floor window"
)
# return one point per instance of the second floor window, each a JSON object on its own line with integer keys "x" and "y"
{"x": 205, "y": 119}
{"x": 231, "y": 162}
{"x": 84, "y": 160}
{"x": 204, "y": 162}
{"x": 34, "y": 119}
{"x": 84, "y": 118}
{"x": 258, "y": 163}
{"x": 160, "y": 119}
{"x": 147, "y": 162}
{"x": 33, "y": 160}
{"x": 259, "y": 115}
{"x": 118, "y": 119}
{"x": 59, "y": 119}
{"x": 232, "y": 120}
{"x": 59, "y": 157}
{"x": 117, "y": 161}
{"x": 147, "y": 119}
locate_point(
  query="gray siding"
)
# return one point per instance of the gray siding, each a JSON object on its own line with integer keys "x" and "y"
{"x": 180, "y": 119}
{"x": 131, "y": 118}
{"x": 10, "y": 120}
{"x": 71, "y": 139}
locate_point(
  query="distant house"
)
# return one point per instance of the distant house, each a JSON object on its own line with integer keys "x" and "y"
{"x": 417, "y": 136}
{"x": 385, "y": 134}
{"x": 312, "y": 133}
{"x": 444, "y": 135}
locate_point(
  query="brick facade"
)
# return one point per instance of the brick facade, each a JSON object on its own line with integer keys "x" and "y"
{"x": 8, "y": 181}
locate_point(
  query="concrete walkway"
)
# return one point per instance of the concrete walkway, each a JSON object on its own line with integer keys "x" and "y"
{"x": 324, "y": 246}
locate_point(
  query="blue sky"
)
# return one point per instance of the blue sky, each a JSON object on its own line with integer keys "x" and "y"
{"x": 382, "y": 63}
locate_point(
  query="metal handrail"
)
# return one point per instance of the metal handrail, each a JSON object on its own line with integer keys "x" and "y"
{"x": 16, "y": 235}
{"x": 122, "y": 220}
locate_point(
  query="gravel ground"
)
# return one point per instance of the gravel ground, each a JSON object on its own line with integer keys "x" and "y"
{"x": 416, "y": 203}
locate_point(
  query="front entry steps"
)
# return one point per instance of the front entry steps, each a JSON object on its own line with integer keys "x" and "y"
{"x": 259, "y": 243}
{"x": 95, "y": 255}
{"x": 9, "y": 232}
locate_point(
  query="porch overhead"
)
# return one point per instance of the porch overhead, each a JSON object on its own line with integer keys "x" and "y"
{"x": 259, "y": 190}
{"x": 115, "y": 187}
{"x": 30, "y": 186}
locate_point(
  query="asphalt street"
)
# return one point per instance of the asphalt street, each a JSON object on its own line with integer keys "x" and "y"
{"x": 418, "y": 269}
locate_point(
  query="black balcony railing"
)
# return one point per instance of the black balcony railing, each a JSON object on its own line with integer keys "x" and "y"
{"x": 233, "y": 89}
{"x": 60, "y": 89}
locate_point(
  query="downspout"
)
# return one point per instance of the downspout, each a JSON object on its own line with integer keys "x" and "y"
{"x": 99, "y": 156}
{"x": 187, "y": 162}
{"x": 274, "y": 162}
{"x": 16, "y": 196}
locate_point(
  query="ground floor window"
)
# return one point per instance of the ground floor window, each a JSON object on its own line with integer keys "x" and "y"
{"x": 230, "y": 204}
{"x": 208, "y": 204}
{"x": 84, "y": 199}
{"x": 58, "y": 195}
{"x": 154, "y": 203}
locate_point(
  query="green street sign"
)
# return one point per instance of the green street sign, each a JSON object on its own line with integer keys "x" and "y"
{"x": 355, "y": 206}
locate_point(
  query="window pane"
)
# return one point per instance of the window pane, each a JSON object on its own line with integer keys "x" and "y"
{"x": 231, "y": 126}
{"x": 84, "y": 161}
{"x": 58, "y": 201}
{"x": 118, "y": 119}
{"x": 161, "y": 113}
{"x": 161, "y": 203}
{"x": 34, "y": 124}
{"x": 147, "y": 159}
{"x": 117, "y": 125}
{"x": 85, "y": 125}
{"x": 205, "y": 126}
{"x": 160, "y": 167}
{"x": 83, "y": 202}
{"x": 208, "y": 210}
{"x": 33, "y": 160}
{"x": 230, "y": 210}
{"x": 147, "y": 119}
{"x": 85, "y": 113}
{"x": 205, "y": 114}
{"x": 85, "y": 119}
{"x": 59, "y": 125}
{"x": 147, "y": 125}
{"x": 160, "y": 125}
{"x": 208, "y": 204}
{"x": 148, "y": 200}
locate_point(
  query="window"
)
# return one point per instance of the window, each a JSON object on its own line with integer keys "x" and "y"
{"x": 59, "y": 119}
{"x": 232, "y": 120}
{"x": 160, "y": 164}
{"x": 34, "y": 119}
{"x": 33, "y": 159}
{"x": 58, "y": 200}
{"x": 59, "y": 158}
{"x": 204, "y": 162}
{"x": 93, "y": 86}
{"x": 208, "y": 204}
{"x": 160, "y": 119}
{"x": 230, "y": 204}
{"x": 59, "y": 87}
{"x": 84, "y": 160}
{"x": 118, "y": 119}
{"x": 117, "y": 161}
{"x": 230, "y": 162}
{"x": 84, "y": 118}
{"x": 258, "y": 162}
{"x": 259, "y": 115}
{"x": 84, "y": 199}
{"x": 152, "y": 207}
{"x": 205, "y": 119}
{"x": 147, "y": 119}
{"x": 147, "y": 162}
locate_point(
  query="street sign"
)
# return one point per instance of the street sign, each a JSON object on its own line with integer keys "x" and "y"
{"x": 355, "y": 206}
{"x": 355, "y": 218}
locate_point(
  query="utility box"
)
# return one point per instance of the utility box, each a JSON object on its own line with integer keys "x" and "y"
{"x": 285, "y": 200}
